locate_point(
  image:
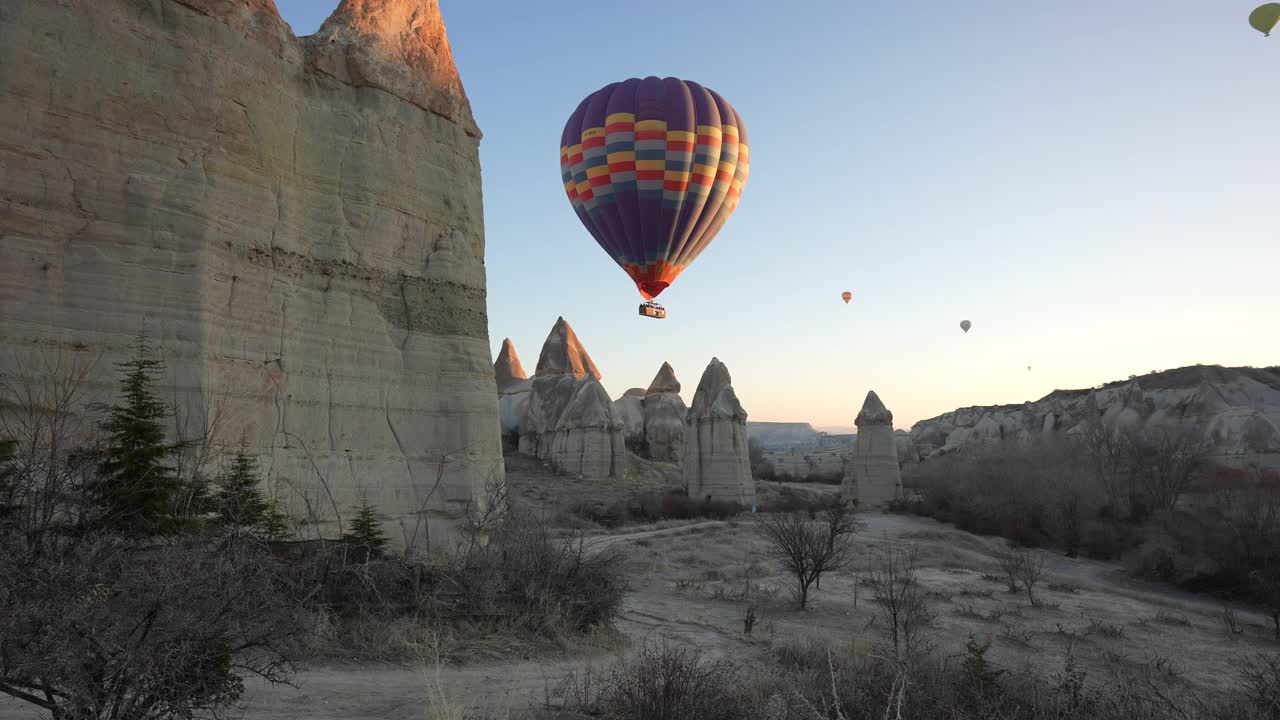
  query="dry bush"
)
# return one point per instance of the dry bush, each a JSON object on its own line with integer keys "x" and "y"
{"x": 665, "y": 682}
{"x": 652, "y": 506}
{"x": 808, "y": 549}
{"x": 106, "y": 628}
{"x": 901, "y": 598}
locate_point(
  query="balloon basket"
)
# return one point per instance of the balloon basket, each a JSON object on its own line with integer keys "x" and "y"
{"x": 652, "y": 310}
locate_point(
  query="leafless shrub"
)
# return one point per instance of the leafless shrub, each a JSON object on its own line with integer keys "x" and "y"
{"x": 1032, "y": 567}
{"x": 1169, "y": 618}
{"x": 1259, "y": 684}
{"x": 973, "y": 591}
{"x": 808, "y": 549}
{"x": 102, "y": 628}
{"x": 901, "y": 598}
{"x": 665, "y": 682}
{"x": 1063, "y": 588}
{"x": 969, "y": 611}
{"x": 1105, "y": 629}
{"x": 1016, "y": 636}
{"x": 1011, "y": 561}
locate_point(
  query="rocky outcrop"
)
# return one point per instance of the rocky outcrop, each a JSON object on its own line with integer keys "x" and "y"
{"x": 571, "y": 422}
{"x": 716, "y": 464}
{"x": 872, "y": 475}
{"x": 297, "y": 223}
{"x": 631, "y": 409}
{"x": 513, "y": 390}
{"x": 1236, "y": 409}
{"x": 664, "y": 417}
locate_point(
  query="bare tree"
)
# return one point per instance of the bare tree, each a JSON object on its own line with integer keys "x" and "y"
{"x": 1029, "y": 573}
{"x": 807, "y": 549}
{"x": 901, "y": 598}
{"x": 1011, "y": 561}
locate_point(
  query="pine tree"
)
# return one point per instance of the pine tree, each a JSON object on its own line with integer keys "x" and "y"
{"x": 136, "y": 483}
{"x": 239, "y": 503}
{"x": 366, "y": 531}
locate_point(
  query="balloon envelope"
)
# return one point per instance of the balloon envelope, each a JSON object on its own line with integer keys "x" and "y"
{"x": 846, "y": 296}
{"x": 1265, "y": 18}
{"x": 965, "y": 325}
{"x": 654, "y": 168}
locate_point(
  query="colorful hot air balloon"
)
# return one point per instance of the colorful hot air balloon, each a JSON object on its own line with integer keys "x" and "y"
{"x": 654, "y": 168}
{"x": 846, "y": 296}
{"x": 965, "y": 325}
{"x": 1265, "y": 18}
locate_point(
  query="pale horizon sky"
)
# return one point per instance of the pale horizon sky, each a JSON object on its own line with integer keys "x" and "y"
{"x": 1093, "y": 185}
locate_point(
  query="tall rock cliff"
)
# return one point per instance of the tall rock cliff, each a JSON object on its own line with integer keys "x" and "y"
{"x": 297, "y": 222}
{"x": 1236, "y": 409}
{"x": 716, "y": 462}
{"x": 872, "y": 474}
{"x": 570, "y": 421}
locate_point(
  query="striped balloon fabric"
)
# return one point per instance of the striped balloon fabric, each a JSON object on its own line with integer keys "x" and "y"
{"x": 654, "y": 168}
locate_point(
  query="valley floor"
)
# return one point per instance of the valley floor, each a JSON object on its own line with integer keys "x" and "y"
{"x": 687, "y": 586}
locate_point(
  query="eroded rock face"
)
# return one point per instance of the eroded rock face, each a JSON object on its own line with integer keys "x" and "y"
{"x": 873, "y": 475}
{"x": 297, "y": 223}
{"x": 716, "y": 462}
{"x": 1237, "y": 409}
{"x": 571, "y": 422}
{"x": 664, "y": 417}
{"x": 513, "y": 390}
{"x": 631, "y": 409}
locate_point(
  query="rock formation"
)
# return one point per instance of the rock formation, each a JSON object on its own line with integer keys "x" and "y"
{"x": 571, "y": 422}
{"x": 1237, "y": 409}
{"x": 295, "y": 222}
{"x": 631, "y": 409}
{"x": 655, "y": 417}
{"x": 872, "y": 474}
{"x": 513, "y": 390}
{"x": 716, "y": 464}
{"x": 664, "y": 417}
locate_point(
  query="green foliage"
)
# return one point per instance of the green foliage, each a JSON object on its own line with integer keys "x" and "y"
{"x": 983, "y": 675}
{"x": 240, "y": 503}
{"x": 136, "y": 484}
{"x": 366, "y": 532}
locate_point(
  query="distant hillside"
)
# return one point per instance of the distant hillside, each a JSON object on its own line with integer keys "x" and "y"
{"x": 1238, "y": 410}
{"x": 775, "y": 435}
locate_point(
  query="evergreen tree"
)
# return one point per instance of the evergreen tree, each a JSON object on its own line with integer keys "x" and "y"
{"x": 366, "y": 531}
{"x": 241, "y": 505}
{"x": 136, "y": 483}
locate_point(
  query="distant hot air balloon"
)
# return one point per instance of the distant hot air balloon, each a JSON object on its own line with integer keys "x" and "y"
{"x": 965, "y": 325}
{"x": 1028, "y": 368}
{"x": 654, "y": 168}
{"x": 1265, "y": 18}
{"x": 846, "y": 296}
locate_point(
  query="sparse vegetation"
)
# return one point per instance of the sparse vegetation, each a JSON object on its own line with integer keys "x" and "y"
{"x": 807, "y": 549}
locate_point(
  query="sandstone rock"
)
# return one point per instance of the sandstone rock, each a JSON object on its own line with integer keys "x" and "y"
{"x": 872, "y": 474}
{"x": 297, "y": 224}
{"x": 664, "y": 417}
{"x": 513, "y": 390}
{"x": 1238, "y": 409}
{"x": 631, "y": 409}
{"x": 570, "y": 421}
{"x": 716, "y": 464}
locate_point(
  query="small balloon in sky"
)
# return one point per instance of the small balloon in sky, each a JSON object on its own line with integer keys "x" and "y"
{"x": 846, "y": 296}
{"x": 965, "y": 325}
{"x": 1265, "y": 18}
{"x": 1028, "y": 368}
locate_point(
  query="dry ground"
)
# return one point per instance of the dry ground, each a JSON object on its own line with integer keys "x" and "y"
{"x": 689, "y": 580}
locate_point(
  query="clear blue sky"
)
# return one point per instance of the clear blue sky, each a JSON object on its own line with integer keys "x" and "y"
{"x": 1094, "y": 184}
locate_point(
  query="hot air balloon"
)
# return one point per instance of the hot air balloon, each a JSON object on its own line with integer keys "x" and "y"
{"x": 1028, "y": 368}
{"x": 965, "y": 325}
{"x": 846, "y": 296}
{"x": 1265, "y": 18}
{"x": 654, "y": 168}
